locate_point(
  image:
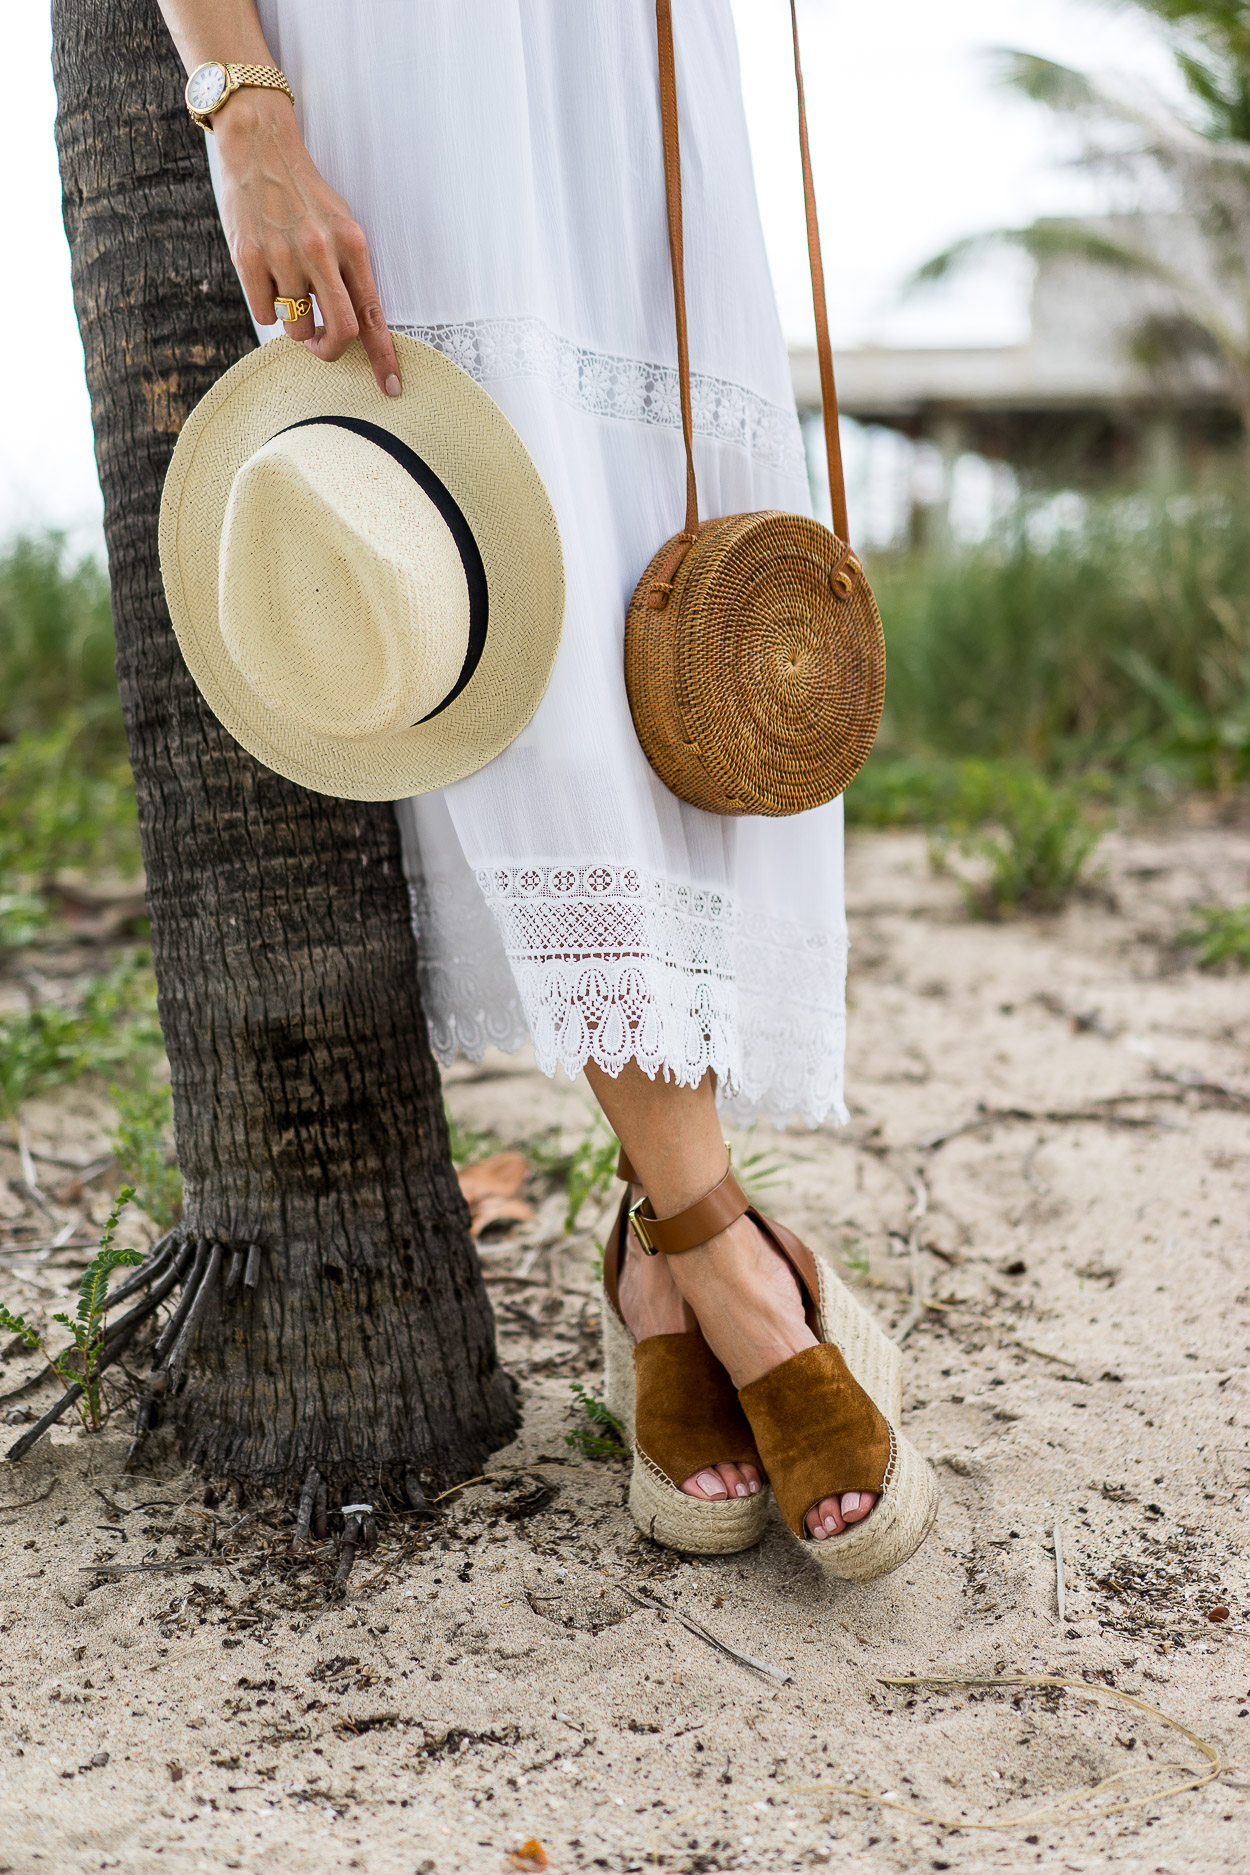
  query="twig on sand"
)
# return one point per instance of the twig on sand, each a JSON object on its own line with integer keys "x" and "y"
{"x": 171, "y": 1567}
{"x": 1095, "y": 1112}
{"x": 1062, "y": 1808}
{"x": 919, "y": 1302}
{"x": 1102, "y": 1112}
{"x": 24, "y": 1503}
{"x": 916, "y": 1272}
{"x": 1061, "y": 1589}
{"x": 505, "y": 1471}
{"x": 1215, "y": 1091}
{"x": 713, "y": 1640}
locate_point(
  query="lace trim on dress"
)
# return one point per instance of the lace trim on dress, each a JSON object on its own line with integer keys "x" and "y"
{"x": 636, "y": 390}
{"x": 468, "y": 991}
{"x": 613, "y": 964}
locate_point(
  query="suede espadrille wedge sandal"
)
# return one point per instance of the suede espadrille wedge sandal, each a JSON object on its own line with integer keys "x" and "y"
{"x": 680, "y": 1411}
{"x": 826, "y": 1420}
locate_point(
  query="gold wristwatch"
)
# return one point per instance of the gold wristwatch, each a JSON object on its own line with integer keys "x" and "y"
{"x": 211, "y": 84}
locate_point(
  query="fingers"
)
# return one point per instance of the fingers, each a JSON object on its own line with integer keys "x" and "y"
{"x": 350, "y": 306}
{"x": 331, "y": 263}
{"x": 374, "y": 333}
{"x": 257, "y": 281}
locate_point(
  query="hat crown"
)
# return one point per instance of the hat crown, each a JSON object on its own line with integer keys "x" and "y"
{"x": 342, "y": 597}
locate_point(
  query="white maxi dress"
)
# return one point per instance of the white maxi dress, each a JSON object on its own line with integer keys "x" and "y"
{"x": 504, "y": 159}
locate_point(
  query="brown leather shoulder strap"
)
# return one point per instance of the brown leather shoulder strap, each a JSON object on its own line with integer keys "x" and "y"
{"x": 824, "y": 350}
{"x": 672, "y": 190}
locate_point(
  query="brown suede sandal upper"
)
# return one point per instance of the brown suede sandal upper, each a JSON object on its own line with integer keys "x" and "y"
{"x": 686, "y": 1413}
{"x": 687, "y": 1416}
{"x": 818, "y": 1432}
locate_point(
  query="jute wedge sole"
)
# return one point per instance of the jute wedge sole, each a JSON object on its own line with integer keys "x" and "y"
{"x": 826, "y": 1420}
{"x": 668, "y": 1515}
{"x": 905, "y": 1511}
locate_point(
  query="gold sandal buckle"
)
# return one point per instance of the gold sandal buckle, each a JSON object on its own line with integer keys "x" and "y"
{"x": 640, "y": 1230}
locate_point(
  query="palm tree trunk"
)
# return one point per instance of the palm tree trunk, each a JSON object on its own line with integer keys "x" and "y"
{"x": 307, "y": 1107}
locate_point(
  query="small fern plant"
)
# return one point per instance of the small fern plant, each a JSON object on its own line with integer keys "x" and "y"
{"x": 81, "y": 1361}
{"x": 601, "y": 1435}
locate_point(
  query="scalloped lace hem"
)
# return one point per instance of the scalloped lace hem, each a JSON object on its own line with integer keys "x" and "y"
{"x": 610, "y": 964}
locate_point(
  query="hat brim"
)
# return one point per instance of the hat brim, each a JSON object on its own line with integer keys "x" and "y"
{"x": 457, "y": 428}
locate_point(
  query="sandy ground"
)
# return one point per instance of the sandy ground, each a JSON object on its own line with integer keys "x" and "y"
{"x": 1047, "y": 1152}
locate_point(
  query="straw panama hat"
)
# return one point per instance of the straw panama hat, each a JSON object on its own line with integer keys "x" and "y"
{"x": 369, "y": 591}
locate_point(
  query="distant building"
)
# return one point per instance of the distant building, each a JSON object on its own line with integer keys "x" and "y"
{"x": 1070, "y": 402}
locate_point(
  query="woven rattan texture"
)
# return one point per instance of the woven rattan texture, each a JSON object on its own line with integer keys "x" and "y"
{"x": 758, "y": 687}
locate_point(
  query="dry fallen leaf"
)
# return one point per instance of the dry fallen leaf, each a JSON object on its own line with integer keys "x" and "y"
{"x": 531, "y": 1854}
{"x": 498, "y": 1211}
{"x": 490, "y": 1190}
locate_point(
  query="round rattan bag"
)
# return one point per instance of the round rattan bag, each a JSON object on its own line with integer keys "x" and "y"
{"x": 756, "y": 670}
{"x": 754, "y": 655}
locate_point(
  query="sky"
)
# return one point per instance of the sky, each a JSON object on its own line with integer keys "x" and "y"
{"x": 913, "y": 146}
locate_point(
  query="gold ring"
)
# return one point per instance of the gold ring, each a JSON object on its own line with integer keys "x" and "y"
{"x": 289, "y": 310}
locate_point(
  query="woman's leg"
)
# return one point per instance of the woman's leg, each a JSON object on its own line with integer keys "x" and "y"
{"x": 742, "y": 1293}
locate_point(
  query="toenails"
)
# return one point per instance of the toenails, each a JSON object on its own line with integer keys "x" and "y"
{"x": 710, "y": 1484}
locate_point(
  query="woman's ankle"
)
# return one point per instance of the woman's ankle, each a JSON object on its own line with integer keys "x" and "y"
{"x": 746, "y": 1300}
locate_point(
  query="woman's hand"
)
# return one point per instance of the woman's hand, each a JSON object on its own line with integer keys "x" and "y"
{"x": 292, "y": 235}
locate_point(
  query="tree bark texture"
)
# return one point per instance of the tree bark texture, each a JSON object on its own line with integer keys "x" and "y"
{"x": 308, "y": 1111}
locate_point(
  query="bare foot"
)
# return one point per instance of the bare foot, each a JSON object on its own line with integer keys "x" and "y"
{"x": 745, "y": 1297}
{"x": 652, "y": 1304}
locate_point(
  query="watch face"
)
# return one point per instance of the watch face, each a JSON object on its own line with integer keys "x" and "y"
{"x": 205, "y": 86}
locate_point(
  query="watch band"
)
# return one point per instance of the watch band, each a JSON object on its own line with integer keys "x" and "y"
{"x": 268, "y": 77}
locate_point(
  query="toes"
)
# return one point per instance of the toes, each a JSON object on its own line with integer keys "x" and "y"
{"x": 856, "y": 1505}
{"x": 724, "y": 1481}
{"x": 734, "y": 1481}
{"x": 706, "y": 1484}
{"x": 825, "y": 1519}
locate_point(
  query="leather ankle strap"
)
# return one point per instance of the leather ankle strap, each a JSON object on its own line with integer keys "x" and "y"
{"x": 687, "y": 1229}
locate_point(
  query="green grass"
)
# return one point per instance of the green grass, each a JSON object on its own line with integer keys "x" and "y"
{"x": 109, "y": 1028}
{"x": 67, "y": 801}
{"x": 56, "y": 644}
{"x": 1114, "y": 654}
{"x": 1036, "y": 855}
{"x": 143, "y": 1142}
{"x": 586, "y": 1172}
{"x": 66, "y": 794}
{"x": 1220, "y": 936}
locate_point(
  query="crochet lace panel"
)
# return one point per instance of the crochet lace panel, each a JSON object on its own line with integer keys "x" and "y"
{"x": 610, "y": 964}
{"x": 633, "y": 389}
